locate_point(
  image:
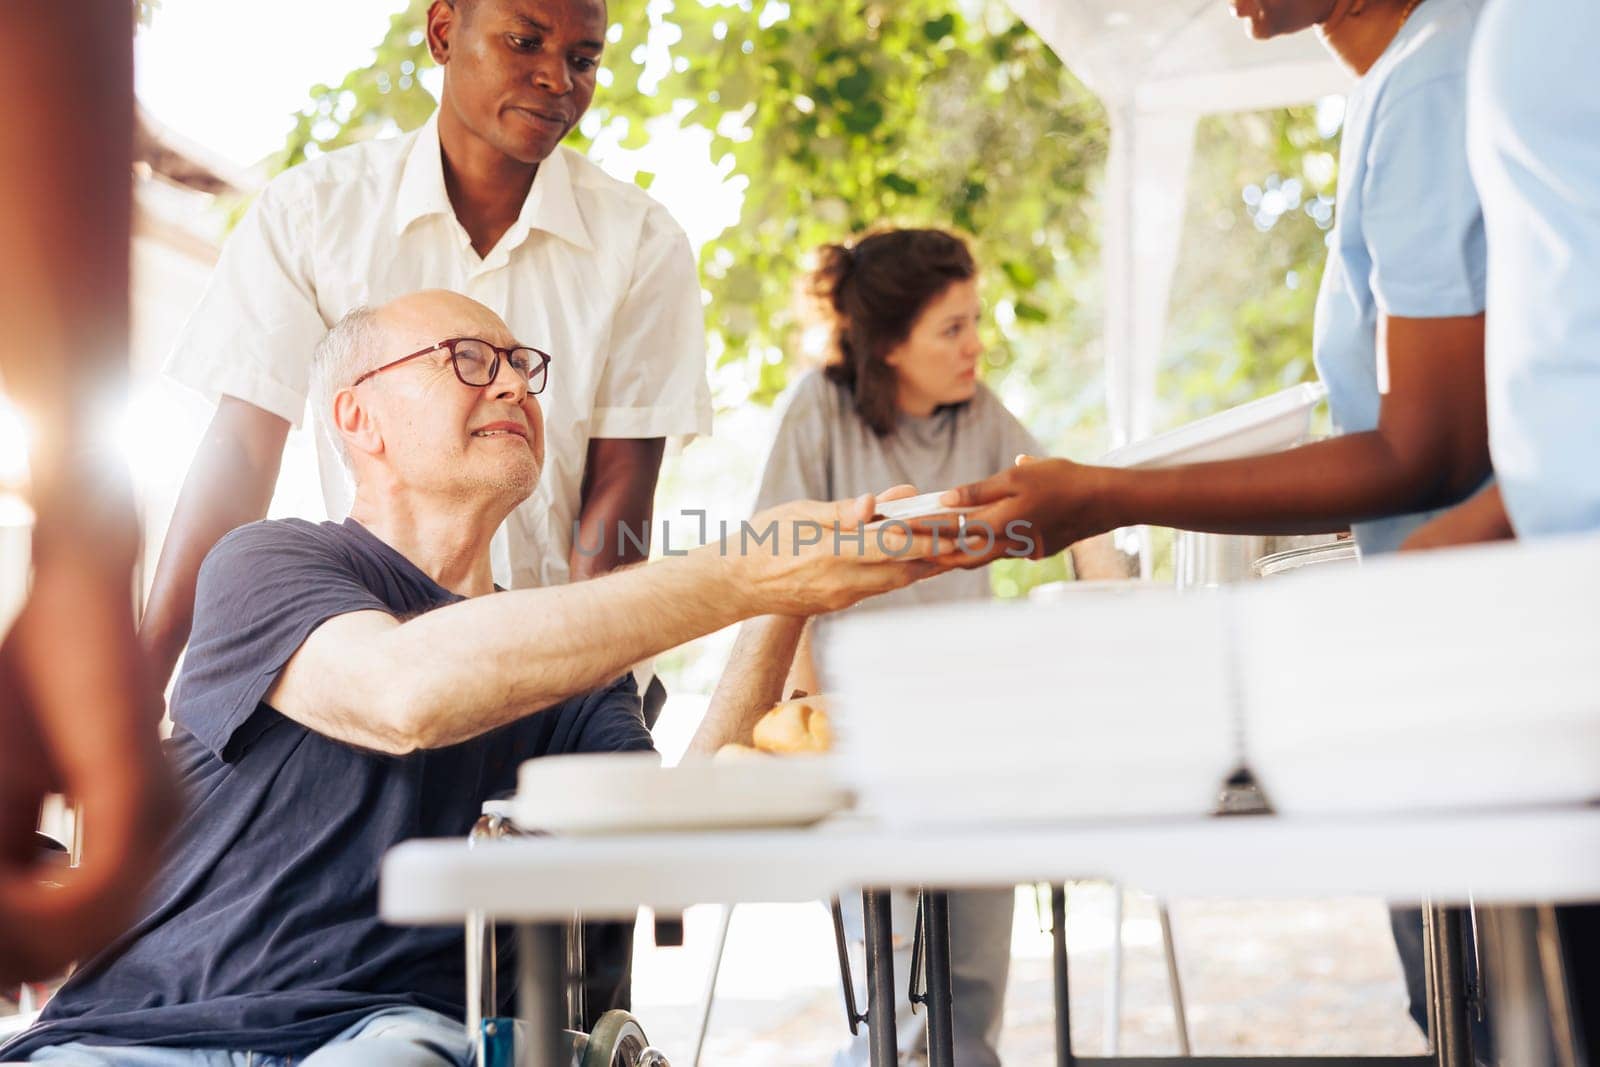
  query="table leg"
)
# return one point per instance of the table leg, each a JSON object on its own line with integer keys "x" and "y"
{"x": 575, "y": 975}
{"x": 941, "y": 1021}
{"x": 474, "y": 939}
{"x": 881, "y": 1037}
{"x": 1113, "y": 1023}
{"x": 1180, "y": 1017}
{"x": 541, "y": 998}
{"x": 1451, "y": 1036}
{"x": 1058, "y": 953}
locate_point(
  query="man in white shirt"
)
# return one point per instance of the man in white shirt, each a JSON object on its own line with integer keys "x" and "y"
{"x": 480, "y": 200}
{"x": 484, "y": 201}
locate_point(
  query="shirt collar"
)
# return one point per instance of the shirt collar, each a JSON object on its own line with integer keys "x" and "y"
{"x": 422, "y": 191}
{"x": 550, "y": 206}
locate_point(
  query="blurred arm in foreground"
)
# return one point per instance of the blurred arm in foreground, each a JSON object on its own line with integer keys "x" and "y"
{"x": 76, "y": 712}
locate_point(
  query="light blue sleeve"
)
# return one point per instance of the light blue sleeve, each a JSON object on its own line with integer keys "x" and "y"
{"x": 1421, "y": 219}
{"x": 1536, "y": 153}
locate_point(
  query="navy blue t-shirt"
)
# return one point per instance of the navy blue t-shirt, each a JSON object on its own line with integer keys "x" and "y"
{"x": 263, "y": 931}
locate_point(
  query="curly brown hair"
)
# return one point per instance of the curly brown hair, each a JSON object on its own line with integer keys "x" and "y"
{"x": 874, "y": 289}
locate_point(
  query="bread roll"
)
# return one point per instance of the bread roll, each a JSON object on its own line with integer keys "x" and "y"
{"x": 795, "y": 726}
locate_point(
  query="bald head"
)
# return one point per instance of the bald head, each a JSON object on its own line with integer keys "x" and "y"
{"x": 427, "y": 316}
{"x": 368, "y": 337}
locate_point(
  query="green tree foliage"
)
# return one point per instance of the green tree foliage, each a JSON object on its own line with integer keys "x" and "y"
{"x": 840, "y": 117}
{"x": 382, "y": 97}
{"x": 847, "y": 116}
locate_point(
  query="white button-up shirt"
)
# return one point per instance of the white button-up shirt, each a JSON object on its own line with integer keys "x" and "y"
{"x": 593, "y": 271}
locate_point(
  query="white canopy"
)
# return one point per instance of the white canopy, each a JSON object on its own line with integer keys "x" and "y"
{"x": 1159, "y": 65}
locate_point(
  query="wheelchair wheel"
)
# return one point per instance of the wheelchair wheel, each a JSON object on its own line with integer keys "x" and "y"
{"x": 617, "y": 1040}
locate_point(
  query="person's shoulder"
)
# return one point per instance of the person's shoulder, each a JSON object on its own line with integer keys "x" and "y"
{"x": 590, "y": 180}
{"x": 344, "y": 170}
{"x": 985, "y": 402}
{"x": 1522, "y": 84}
{"x": 619, "y": 203}
{"x": 253, "y": 540}
{"x": 813, "y": 394}
{"x": 1434, "y": 55}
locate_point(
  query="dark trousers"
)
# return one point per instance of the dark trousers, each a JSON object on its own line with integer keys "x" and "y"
{"x": 1406, "y": 923}
{"x": 608, "y": 970}
{"x": 1580, "y": 944}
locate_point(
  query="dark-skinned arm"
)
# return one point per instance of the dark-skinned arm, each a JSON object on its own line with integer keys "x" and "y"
{"x": 1430, "y": 450}
{"x": 619, "y": 489}
{"x": 230, "y": 483}
{"x": 1482, "y": 518}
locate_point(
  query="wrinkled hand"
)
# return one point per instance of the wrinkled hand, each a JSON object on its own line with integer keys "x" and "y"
{"x": 76, "y": 716}
{"x": 811, "y": 557}
{"x": 1031, "y": 511}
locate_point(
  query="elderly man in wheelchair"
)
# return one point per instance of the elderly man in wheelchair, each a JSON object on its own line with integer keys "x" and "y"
{"x": 351, "y": 685}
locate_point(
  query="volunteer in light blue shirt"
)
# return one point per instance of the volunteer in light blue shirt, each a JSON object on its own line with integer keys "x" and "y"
{"x": 1410, "y": 239}
{"x": 1535, "y": 151}
{"x": 1399, "y": 335}
{"x": 1534, "y": 143}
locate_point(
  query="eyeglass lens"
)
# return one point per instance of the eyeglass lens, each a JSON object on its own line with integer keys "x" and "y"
{"x": 476, "y": 364}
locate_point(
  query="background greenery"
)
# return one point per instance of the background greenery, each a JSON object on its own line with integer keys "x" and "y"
{"x": 840, "y": 116}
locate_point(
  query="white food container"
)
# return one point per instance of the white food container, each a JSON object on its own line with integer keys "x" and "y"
{"x": 630, "y": 792}
{"x": 1452, "y": 679}
{"x": 1089, "y": 707}
{"x": 1270, "y": 424}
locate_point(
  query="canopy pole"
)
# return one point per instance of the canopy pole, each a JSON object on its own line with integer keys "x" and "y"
{"x": 1147, "y": 176}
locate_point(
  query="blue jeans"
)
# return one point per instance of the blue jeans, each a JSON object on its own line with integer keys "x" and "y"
{"x": 395, "y": 1037}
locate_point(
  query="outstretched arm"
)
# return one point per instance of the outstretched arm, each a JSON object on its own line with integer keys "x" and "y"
{"x": 771, "y": 658}
{"x": 1430, "y": 449}
{"x": 462, "y": 670}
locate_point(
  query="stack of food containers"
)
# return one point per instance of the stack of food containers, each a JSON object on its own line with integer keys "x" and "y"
{"x": 1092, "y": 707}
{"x": 1448, "y": 680}
{"x": 1451, "y": 679}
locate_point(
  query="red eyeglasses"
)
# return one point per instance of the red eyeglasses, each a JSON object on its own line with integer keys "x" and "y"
{"x": 477, "y": 362}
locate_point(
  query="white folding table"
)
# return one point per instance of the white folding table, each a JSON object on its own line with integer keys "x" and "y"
{"x": 1493, "y": 857}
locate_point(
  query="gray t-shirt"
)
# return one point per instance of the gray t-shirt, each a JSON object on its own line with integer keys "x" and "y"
{"x": 824, "y": 451}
